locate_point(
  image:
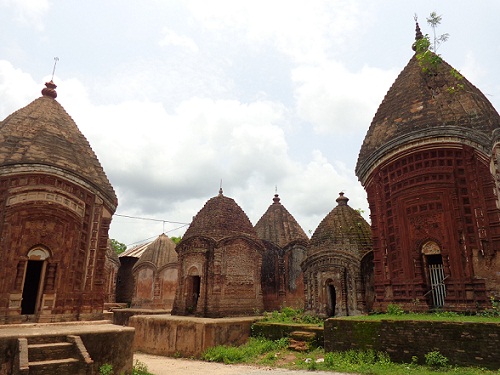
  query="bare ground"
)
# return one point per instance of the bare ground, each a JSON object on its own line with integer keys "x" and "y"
{"x": 159, "y": 365}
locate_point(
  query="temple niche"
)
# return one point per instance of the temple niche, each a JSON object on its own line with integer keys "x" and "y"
{"x": 338, "y": 268}
{"x": 57, "y": 205}
{"x": 429, "y": 164}
{"x": 285, "y": 245}
{"x": 220, "y": 260}
{"x": 155, "y": 275}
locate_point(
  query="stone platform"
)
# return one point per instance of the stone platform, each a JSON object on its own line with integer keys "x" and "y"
{"x": 187, "y": 336}
{"x": 104, "y": 343}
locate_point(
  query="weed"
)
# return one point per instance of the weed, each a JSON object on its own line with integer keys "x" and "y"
{"x": 435, "y": 359}
{"x": 393, "y": 309}
{"x": 106, "y": 369}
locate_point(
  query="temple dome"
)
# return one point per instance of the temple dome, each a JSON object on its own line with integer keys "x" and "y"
{"x": 278, "y": 226}
{"x": 220, "y": 217}
{"x": 43, "y": 133}
{"x": 342, "y": 230}
{"x": 420, "y": 105}
{"x": 160, "y": 252}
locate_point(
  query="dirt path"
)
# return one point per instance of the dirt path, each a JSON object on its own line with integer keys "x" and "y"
{"x": 159, "y": 365}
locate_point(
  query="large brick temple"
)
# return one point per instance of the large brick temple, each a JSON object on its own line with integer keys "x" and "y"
{"x": 429, "y": 164}
{"x": 56, "y": 205}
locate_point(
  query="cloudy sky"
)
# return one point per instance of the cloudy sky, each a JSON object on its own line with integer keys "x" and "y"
{"x": 175, "y": 96}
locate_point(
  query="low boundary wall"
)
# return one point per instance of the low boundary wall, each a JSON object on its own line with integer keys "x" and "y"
{"x": 463, "y": 343}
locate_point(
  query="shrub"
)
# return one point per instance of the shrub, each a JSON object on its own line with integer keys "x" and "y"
{"x": 393, "y": 309}
{"x": 435, "y": 359}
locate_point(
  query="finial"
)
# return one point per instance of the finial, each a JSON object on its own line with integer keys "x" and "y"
{"x": 50, "y": 90}
{"x": 220, "y": 187}
{"x": 276, "y": 199}
{"x": 341, "y": 200}
{"x": 418, "y": 33}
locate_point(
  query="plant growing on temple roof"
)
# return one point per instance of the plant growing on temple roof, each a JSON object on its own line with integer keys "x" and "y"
{"x": 427, "y": 57}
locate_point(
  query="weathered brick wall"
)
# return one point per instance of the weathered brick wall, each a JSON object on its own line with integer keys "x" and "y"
{"x": 476, "y": 344}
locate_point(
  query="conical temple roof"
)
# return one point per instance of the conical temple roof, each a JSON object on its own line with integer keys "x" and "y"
{"x": 425, "y": 103}
{"x": 343, "y": 229}
{"x": 159, "y": 252}
{"x": 278, "y": 226}
{"x": 44, "y": 133}
{"x": 220, "y": 217}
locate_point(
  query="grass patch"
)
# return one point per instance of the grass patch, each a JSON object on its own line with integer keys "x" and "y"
{"x": 289, "y": 315}
{"x": 443, "y": 317}
{"x": 259, "y": 351}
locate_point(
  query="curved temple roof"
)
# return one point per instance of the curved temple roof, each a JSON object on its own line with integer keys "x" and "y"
{"x": 278, "y": 226}
{"x": 44, "y": 133}
{"x": 220, "y": 217}
{"x": 427, "y": 103}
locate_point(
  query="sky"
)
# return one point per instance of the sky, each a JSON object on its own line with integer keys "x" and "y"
{"x": 180, "y": 97}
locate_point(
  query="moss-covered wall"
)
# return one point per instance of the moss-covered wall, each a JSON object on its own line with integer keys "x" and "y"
{"x": 476, "y": 344}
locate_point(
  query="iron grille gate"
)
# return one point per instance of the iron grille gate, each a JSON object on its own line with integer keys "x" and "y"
{"x": 437, "y": 284}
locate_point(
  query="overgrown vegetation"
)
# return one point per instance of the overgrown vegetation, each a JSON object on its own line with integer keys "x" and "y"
{"x": 292, "y": 316}
{"x": 428, "y": 58}
{"x": 139, "y": 368}
{"x": 264, "y": 352}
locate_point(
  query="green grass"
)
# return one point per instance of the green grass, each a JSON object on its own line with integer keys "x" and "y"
{"x": 289, "y": 315}
{"x": 259, "y": 351}
{"x": 443, "y": 317}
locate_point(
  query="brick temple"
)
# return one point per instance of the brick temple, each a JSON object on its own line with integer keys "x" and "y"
{"x": 57, "y": 205}
{"x": 429, "y": 164}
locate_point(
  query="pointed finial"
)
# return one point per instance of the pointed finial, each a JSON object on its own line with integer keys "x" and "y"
{"x": 276, "y": 199}
{"x": 341, "y": 200}
{"x": 220, "y": 187}
{"x": 418, "y": 33}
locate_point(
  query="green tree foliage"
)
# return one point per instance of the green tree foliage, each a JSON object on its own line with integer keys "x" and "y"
{"x": 176, "y": 239}
{"x": 118, "y": 246}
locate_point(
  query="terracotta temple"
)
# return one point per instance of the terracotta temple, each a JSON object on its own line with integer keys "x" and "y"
{"x": 338, "y": 270}
{"x": 220, "y": 260}
{"x": 429, "y": 164}
{"x": 56, "y": 208}
{"x": 285, "y": 245}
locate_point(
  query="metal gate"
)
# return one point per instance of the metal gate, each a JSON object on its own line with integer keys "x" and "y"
{"x": 438, "y": 288}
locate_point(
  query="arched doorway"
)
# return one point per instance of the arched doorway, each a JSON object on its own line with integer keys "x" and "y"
{"x": 33, "y": 284}
{"x": 193, "y": 289}
{"x": 433, "y": 261}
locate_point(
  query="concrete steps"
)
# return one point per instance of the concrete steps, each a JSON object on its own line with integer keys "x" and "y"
{"x": 48, "y": 355}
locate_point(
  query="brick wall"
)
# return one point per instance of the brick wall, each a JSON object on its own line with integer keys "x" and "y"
{"x": 467, "y": 344}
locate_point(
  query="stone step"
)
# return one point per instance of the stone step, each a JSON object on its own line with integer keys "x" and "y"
{"x": 58, "y": 366}
{"x": 47, "y": 351}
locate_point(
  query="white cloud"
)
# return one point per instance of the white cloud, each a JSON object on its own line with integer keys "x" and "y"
{"x": 171, "y": 38}
{"x": 16, "y": 88}
{"x": 336, "y": 100}
{"x": 28, "y": 12}
{"x": 303, "y": 31}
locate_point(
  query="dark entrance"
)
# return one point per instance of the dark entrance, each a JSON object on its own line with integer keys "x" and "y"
{"x": 436, "y": 276}
{"x": 194, "y": 293}
{"x": 31, "y": 287}
{"x": 332, "y": 300}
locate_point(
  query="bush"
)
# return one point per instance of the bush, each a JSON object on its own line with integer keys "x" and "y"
{"x": 393, "y": 309}
{"x": 436, "y": 360}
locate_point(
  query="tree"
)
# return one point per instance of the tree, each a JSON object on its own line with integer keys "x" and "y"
{"x": 118, "y": 246}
